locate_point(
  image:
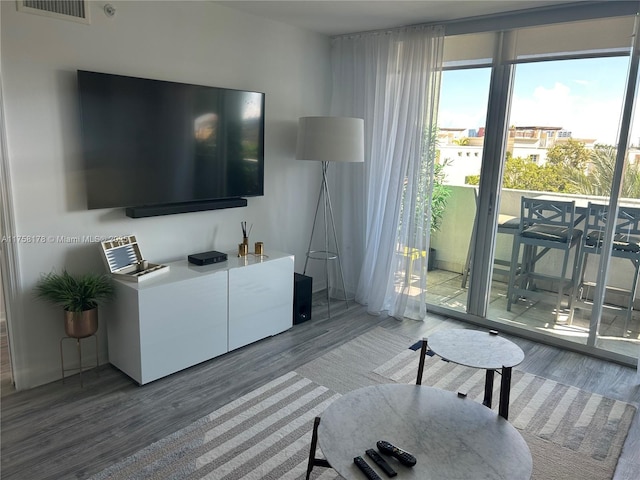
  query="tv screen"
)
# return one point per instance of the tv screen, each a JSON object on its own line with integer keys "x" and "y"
{"x": 151, "y": 142}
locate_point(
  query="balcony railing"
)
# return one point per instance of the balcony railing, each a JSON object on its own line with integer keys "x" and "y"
{"x": 452, "y": 246}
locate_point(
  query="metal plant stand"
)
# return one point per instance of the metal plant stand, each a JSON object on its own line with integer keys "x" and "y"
{"x": 79, "y": 348}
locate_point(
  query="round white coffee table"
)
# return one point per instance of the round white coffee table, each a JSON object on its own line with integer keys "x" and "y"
{"x": 451, "y": 437}
{"x": 480, "y": 349}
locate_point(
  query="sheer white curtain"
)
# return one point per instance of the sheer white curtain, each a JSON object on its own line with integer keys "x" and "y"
{"x": 392, "y": 80}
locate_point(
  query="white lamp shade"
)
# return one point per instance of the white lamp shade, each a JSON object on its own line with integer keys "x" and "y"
{"x": 330, "y": 139}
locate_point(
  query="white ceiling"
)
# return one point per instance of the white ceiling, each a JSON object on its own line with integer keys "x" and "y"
{"x": 334, "y": 17}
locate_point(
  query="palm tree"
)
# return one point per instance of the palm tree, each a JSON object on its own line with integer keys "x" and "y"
{"x": 461, "y": 141}
{"x": 599, "y": 177}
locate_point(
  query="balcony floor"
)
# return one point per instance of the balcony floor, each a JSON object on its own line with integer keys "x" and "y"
{"x": 444, "y": 289}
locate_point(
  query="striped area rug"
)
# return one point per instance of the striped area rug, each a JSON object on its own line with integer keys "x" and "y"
{"x": 574, "y": 419}
{"x": 265, "y": 435}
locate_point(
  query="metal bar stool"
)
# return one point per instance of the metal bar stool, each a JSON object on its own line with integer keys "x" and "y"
{"x": 507, "y": 224}
{"x": 626, "y": 244}
{"x": 548, "y": 225}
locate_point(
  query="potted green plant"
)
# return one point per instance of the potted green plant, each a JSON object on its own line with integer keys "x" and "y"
{"x": 439, "y": 198}
{"x": 79, "y": 296}
{"x": 440, "y": 195}
{"x": 433, "y": 206}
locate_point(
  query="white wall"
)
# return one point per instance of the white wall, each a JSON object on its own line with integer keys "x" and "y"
{"x": 191, "y": 42}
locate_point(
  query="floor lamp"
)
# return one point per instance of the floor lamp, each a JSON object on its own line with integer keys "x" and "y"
{"x": 329, "y": 139}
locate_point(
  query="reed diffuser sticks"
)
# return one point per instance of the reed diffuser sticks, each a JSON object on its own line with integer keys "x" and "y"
{"x": 243, "y": 248}
{"x": 245, "y": 233}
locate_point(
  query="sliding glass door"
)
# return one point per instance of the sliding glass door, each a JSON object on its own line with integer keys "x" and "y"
{"x": 563, "y": 128}
{"x": 461, "y": 126}
{"x": 558, "y": 106}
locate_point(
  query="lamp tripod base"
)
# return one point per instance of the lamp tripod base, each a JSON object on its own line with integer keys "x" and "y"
{"x": 326, "y": 255}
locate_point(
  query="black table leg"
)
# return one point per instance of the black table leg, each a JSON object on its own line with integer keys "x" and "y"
{"x": 313, "y": 461}
{"x": 488, "y": 388}
{"x": 505, "y": 390}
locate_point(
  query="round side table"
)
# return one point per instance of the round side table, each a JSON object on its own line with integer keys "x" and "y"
{"x": 484, "y": 350}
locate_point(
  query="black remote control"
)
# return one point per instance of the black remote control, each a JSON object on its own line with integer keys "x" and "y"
{"x": 381, "y": 462}
{"x": 366, "y": 468}
{"x": 403, "y": 457}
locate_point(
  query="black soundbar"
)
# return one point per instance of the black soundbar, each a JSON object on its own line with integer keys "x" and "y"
{"x": 173, "y": 208}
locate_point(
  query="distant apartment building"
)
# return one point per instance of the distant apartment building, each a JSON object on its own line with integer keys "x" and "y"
{"x": 463, "y": 147}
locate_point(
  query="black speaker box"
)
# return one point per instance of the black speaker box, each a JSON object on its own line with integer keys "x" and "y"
{"x": 302, "y": 286}
{"x": 207, "y": 258}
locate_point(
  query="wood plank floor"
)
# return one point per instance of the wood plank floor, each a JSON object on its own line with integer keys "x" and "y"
{"x": 63, "y": 431}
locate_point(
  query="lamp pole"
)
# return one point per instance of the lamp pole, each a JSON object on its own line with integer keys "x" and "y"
{"x": 329, "y": 139}
{"x": 326, "y": 254}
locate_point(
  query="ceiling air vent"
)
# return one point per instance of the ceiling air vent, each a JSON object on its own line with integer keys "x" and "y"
{"x": 74, "y": 10}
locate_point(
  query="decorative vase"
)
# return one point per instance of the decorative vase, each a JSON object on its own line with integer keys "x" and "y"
{"x": 81, "y": 324}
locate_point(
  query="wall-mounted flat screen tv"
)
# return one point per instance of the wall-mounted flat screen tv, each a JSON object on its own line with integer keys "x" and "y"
{"x": 151, "y": 142}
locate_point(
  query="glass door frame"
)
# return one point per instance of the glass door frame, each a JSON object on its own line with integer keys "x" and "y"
{"x": 495, "y": 143}
{"x": 616, "y": 188}
{"x": 494, "y": 153}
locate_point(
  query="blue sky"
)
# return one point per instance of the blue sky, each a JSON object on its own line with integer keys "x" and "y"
{"x": 582, "y": 96}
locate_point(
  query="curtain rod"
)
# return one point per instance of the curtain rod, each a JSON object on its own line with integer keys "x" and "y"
{"x": 586, "y": 10}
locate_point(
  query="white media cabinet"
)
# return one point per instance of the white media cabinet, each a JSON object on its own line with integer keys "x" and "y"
{"x": 195, "y": 313}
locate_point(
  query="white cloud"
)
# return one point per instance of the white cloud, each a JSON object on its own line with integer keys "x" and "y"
{"x": 454, "y": 119}
{"x": 585, "y": 117}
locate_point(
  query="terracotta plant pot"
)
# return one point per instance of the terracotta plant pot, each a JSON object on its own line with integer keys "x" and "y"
{"x": 81, "y": 324}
